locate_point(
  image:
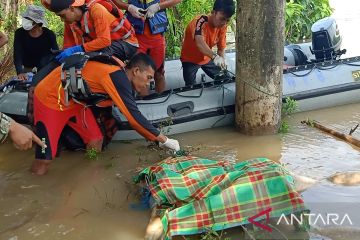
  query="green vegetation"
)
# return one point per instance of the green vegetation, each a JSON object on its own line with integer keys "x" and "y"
{"x": 213, "y": 235}
{"x": 54, "y": 23}
{"x": 92, "y": 154}
{"x": 165, "y": 126}
{"x": 210, "y": 234}
{"x": 301, "y": 14}
{"x": 289, "y": 107}
{"x": 179, "y": 17}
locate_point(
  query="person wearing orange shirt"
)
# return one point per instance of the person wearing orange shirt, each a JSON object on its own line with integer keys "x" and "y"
{"x": 150, "y": 22}
{"x": 53, "y": 110}
{"x": 201, "y": 35}
{"x": 94, "y": 26}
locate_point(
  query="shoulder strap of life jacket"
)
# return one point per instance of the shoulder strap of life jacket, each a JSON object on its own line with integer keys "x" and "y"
{"x": 75, "y": 87}
{"x": 114, "y": 10}
{"x": 108, "y": 4}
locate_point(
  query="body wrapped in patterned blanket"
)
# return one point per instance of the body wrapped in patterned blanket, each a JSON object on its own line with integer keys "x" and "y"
{"x": 193, "y": 195}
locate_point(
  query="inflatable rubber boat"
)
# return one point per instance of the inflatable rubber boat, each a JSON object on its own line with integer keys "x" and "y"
{"x": 324, "y": 81}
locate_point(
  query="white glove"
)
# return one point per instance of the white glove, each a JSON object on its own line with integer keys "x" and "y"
{"x": 220, "y": 61}
{"x": 152, "y": 9}
{"x": 135, "y": 11}
{"x": 171, "y": 144}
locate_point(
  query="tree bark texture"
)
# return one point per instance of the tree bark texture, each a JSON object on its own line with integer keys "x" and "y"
{"x": 259, "y": 58}
{"x": 9, "y": 11}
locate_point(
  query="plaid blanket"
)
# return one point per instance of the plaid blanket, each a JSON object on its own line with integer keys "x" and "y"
{"x": 202, "y": 194}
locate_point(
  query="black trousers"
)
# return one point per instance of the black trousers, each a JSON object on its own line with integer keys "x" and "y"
{"x": 190, "y": 70}
{"x": 42, "y": 63}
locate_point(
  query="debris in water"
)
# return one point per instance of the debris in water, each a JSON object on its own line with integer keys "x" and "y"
{"x": 30, "y": 186}
{"x": 350, "y": 178}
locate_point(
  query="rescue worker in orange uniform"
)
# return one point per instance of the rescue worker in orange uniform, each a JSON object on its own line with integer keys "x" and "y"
{"x": 96, "y": 25}
{"x": 150, "y": 22}
{"x": 53, "y": 110}
{"x": 201, "y": 35}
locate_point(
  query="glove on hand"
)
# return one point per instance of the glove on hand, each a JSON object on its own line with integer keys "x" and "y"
{"x": 151, "y": 10}
{"x": 68, "y": 52}
{"x": 220, "y": 61}
{"x": 170, "y": 144}
{"x": 135, "y": 11}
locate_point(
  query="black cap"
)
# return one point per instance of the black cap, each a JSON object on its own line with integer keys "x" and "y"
{"x": 59, "y": 5}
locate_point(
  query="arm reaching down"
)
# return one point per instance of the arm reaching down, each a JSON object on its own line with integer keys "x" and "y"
{"x": 120, "y": 91}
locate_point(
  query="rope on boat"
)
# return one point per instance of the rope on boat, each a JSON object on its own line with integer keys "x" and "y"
{"x": 305, "y": 74}
{"x": 198, "y": 96}
{"x": 322, "y": 67}
{"x": 222, "y": 107}
{"x": 255, "y": 87}
{"x": 351, "y": 64}
{"x": 326, "y": 68}
{"x": 165, "y": 100}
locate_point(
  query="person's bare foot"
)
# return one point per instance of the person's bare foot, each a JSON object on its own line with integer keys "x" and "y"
{"x": 40, "y": 167}
{"x": 154, "y": 230}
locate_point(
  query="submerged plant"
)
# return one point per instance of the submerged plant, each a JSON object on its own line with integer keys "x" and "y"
{"x": 288, "y": 108}
{"x": 92, "y": 154}
{"x": 164, "y": 126}
{"x": 284, "y": 127}
{"x": 210, "y": 234}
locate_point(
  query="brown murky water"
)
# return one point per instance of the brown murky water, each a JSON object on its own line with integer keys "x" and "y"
{"x": 309, "y": 152}
{"x": 83, "y": 199}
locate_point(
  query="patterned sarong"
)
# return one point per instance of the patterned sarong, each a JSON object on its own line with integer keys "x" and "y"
{"x": 202, "y": 194}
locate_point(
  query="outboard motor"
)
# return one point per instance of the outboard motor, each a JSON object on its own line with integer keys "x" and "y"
{"x": 294, "y": 55}
{"x": 326, "y": 40}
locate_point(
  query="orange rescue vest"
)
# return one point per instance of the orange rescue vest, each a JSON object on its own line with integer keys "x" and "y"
{"x": 121, "y": 28}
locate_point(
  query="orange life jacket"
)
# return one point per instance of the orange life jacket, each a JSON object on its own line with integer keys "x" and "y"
{"x": 121, "y": 28}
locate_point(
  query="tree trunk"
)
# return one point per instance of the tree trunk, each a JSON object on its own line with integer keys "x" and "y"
{"x": 9, "y": 12}
{"x": 259, "y": 58}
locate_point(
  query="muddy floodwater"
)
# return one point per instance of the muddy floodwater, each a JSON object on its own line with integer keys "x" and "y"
{"x": 94, "y": 199}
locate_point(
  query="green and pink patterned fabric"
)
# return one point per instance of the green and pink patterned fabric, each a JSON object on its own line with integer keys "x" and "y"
{"x": 201, "y": 194}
